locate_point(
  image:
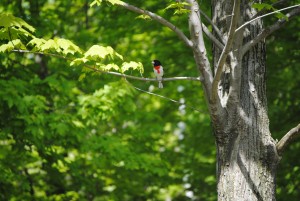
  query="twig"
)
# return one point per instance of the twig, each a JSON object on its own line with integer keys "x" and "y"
{"x": 287, "y": 139}
{"x": 269, "y": 30}
{"x": 277, "y": 11}
{"x": 212, "y": 37}
{"x": 159, "y": 19}
{"x": 111, "y": 72}
{"x": 216, "y": 29}
{"x": 226, "y": 49}
{"x": 265, "y": 10}
{"x": 166, "y": 98}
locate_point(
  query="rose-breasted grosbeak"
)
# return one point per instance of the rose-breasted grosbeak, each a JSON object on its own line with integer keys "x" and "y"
{"x": 158, "y": 71}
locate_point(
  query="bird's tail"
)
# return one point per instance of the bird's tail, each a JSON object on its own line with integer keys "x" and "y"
{"x": 160, "y": 85}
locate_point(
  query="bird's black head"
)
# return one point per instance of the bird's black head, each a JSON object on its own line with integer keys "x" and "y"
{"x": 156, "y": 63}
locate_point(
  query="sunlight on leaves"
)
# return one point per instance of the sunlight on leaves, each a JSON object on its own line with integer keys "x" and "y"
{"x": 144, "y": 17}
{"x": 108, "y": 67}
{"x": 8, "y": 20}
{"x": 132, "y": 65}
{"x": 179, "y": 7}
{"x": 14, "y": 44}
{"x": 12, "y": 27}
{"x": 97, "y": 52}
{"x": 98, "y": 2}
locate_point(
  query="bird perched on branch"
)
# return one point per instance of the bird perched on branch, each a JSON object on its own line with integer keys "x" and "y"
{"x": 158, "y": 71}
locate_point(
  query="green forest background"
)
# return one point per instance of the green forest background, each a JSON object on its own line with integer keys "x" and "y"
{"x": 68, "y": 133}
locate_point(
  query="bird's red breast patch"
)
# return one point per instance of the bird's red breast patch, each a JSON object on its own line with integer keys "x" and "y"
{"x": 157, "y": 68}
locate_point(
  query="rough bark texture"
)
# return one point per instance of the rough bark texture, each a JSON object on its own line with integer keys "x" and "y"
{"x": 246, "y": 156}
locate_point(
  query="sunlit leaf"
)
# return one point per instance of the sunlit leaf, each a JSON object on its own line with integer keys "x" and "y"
{"x": 98, "y": 2}
{"x": 144, "y": 17}
{"x": 132, "y": 65}
{"x": 67, "y": 46}
{"x": 109, "y": 67}
{"x": 6, "y": 47}
{"x": 97, "y": 52}
{"x": 115, "y": 1}
{"x": 179, "y": 8}
{"x": 78, "y": 61}
{"x": 14, "y": 44}
{"x": 8, "y": 20}
{"x": 37, "y": 42}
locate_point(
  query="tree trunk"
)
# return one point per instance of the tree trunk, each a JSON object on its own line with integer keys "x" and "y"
{"x": 246, "y": 153}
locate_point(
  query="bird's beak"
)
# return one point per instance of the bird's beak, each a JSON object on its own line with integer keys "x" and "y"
{"x": 152, "y": 62}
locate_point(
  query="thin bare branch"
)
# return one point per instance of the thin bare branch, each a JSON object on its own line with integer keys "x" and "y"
{"x": 271, "y": 13}
{"x": 263, "y": 11}
{"x": 287, "y": 139}
{"x": 111, "y": 72}
{"x": 216, "y": 29}
{"x": 269, "y": 30}
{"x": 226, "y": 49}
{"x": 142, "y": 78}
{"x": 159, "y": 19}
{"x": 212, "y": 37}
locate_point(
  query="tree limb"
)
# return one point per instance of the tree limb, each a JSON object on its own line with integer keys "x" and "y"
{"x": 269, "y": 30}
{"x": 159, "y": 19}
{"x": 141, "y": 78}
{"x": 226, "y": 49}
{"x": 111, "y": 72}
{"x": 199, "y": 49}
{"x": 212, "y": 37}
{"x": 216, "y": 29}
{"x": 287, "y": 139}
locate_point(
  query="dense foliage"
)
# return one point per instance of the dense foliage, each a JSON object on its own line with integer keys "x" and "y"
{"x": 69, "y": 131}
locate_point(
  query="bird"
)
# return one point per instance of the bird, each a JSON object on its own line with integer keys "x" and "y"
{"x": 158, "y": 71}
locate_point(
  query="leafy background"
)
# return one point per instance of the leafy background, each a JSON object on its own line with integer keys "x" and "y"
{"x": 70, "y": 133}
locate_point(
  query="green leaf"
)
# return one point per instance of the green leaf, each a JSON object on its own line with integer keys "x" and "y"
{"x": 8, "y": 20}
{"x": 67, "y": 46}
{"x": 6, "y": 47}
{"x": 78, "y": 61}
{"x": 280, "y": 15}
{"x": 109, "y": 67}
{"x": 172, "y": 6}
{"x": 261, "y": 6}
{"x": 98, "y": 2}
{"x": 132, "y": 65}
{"x": 144, "y": 17}
{"x": 97, "y": 52}
{"x": 113, "y": 2}
{"x": 82, "y": 76}
{"x": 50, "y": 45}
{"x": 14, "y": 44}
{"x": 179, "y": 7}
{"x": 181, "y": 11}
{"x": 12, "y": 27}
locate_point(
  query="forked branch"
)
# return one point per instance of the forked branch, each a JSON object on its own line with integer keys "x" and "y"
{"x": 287, "y": 139}
{"x": 226, "y": 49}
